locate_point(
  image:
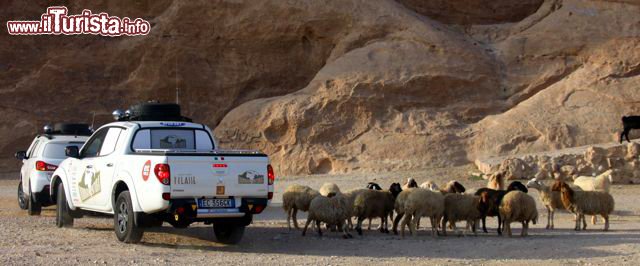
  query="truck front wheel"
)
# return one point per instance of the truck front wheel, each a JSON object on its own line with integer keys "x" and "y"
{"x": 228, "y": 233}
{"x": 63, "y": 216}
{"x": 126, "y": 229}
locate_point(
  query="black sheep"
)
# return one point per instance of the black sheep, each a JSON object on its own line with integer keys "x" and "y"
{"x": 629, "y": 123}
{"x": 490, "y": 200}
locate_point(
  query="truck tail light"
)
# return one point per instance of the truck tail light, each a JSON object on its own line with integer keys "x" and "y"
{"x": 257, "y": 209}
{"x": 163, "y": 173}
{"x": 270, "y": 175}
{"x": 42, "y": 166}
{"x": 270, "y": 195}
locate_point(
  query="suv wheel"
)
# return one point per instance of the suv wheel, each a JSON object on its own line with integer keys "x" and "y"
{"x": 228, "y": 233}
{"x": 34, "y": 207}
{"x": 126, "y": 229}
{"x": 22, "y": 201}
{"x": 63, "y": 214}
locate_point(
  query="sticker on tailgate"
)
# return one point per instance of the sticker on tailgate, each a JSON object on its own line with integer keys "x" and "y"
{"x": 250, "y": 177}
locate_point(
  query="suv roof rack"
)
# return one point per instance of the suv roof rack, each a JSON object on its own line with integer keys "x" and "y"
{"x": 69, "y": 129}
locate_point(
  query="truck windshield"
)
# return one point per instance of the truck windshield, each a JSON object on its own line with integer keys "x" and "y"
{"x": 172, "y": 139}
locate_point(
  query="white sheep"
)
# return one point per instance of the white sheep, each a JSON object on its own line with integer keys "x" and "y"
{"x": 294, "y": 198}
{"x": 430, "y": 185}
{"x": 601, "y": 182}
{"x": 586, "y": 202}
{"x": 461, "y": 207}
{"x": 399, "y": 207}
{"x": 330, "y": 210}
{"x": 329, "y": 189}
{"x": 422, "y": 203}
{"x": 550, "y": 199}
{"x": 517, "y": 206}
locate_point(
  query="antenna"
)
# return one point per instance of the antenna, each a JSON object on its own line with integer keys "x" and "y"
{"x": 176, "y": 77}
{"x": 93, "y": 119}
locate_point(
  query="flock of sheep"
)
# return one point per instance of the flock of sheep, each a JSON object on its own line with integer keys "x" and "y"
{"x": 446, "y": 206}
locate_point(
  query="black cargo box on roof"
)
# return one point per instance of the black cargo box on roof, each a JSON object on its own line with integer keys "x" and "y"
{"x": 155, "y": 112}
{"x": 76, "y": 129}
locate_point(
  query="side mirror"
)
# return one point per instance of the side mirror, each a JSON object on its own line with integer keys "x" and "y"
{"x": 72, "y": 151}
{"x": 21, "y": 155}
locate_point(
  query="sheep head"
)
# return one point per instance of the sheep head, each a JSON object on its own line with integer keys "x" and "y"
{"x": 517, "y": 185}
{"x": 374, "y": 186}
{"x": 395, "y": 189}
{"x": 411, "y": 182}
{"x": 566, "y": 194}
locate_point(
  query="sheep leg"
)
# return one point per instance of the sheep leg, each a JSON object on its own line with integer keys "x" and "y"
{"x": 359, "y": 225}
{"x": 306, "y": 225}
{"x": 484, "y": 224}
{"x": 294, "y": 215}
{"x": 606, "y": 222}
{"x": 584, "y": 222}
{"x": 594, "y": 219}
{"x": 384, "y": 224}
{"x": 369, "y": 227}
{"x": 289, "y": 219}
{"x": 500, "y": 227}
{"x": 396, "y": 221}
{"x": 625, "y": 133}
{"x": 577, "y": 222}
{"x": 319, "y": 228}
{"x": 407, "y": 220}
{"x": 343, "y": 228}
{"x": 444, "y": 226}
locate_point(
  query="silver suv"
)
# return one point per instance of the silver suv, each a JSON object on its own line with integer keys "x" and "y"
{"x": 44, "y": 155}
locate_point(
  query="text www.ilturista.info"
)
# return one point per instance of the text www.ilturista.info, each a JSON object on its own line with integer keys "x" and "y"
{"x": 56, "y": 22}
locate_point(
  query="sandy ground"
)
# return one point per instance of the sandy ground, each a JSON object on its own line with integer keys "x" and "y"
{"x": 36, "y": 240}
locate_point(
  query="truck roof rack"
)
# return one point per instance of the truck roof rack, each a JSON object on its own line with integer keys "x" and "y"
{"x": 151, "y": 111}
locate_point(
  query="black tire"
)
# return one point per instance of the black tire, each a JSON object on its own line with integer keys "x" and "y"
{"x": 123, "y": 220}
{"x": 34, "y": 208}
{"x": 227, "y": 233}
{"x": 63, "y": 213}
{"x": 22, "y": 200}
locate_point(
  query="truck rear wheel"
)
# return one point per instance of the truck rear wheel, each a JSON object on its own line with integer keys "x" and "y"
{"x": 22, "y": 201}
{"x": 34, "y": 207}
{"x": 63, "y": 216}
{"x": 228, "y": 233}
{"x": 126, "y": 229}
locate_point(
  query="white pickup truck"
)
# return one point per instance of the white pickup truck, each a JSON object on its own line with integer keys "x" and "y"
{"x": 149, "y": 172}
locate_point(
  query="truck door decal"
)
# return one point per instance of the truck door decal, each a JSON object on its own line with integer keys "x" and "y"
{"x": 89, "y": 185}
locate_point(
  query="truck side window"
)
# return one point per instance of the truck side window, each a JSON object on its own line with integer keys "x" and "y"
{"x": 110, "y": 141}
{"x": 203, "y": 141}
{"x": 142, "y": 140}
{"x": 94, "y": 144}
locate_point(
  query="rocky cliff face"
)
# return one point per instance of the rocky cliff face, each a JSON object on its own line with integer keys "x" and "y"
{"x": 343, "y": 85}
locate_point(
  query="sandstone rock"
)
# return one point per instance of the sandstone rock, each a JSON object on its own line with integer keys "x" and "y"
{"x": 341, "y": 86}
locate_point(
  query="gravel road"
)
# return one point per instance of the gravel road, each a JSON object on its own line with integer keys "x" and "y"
{"x": 36, "y": 240}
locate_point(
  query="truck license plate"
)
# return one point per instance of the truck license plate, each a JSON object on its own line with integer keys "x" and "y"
{"x": 215, "y": 203}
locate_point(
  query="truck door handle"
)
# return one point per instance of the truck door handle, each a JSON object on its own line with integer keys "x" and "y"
{"x": 109, "y": 164}
{"x": 89, "y": 166}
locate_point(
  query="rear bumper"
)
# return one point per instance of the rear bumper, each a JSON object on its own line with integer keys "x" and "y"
{"x": 188, "y": 208}
{"x": 43, "y": 197}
